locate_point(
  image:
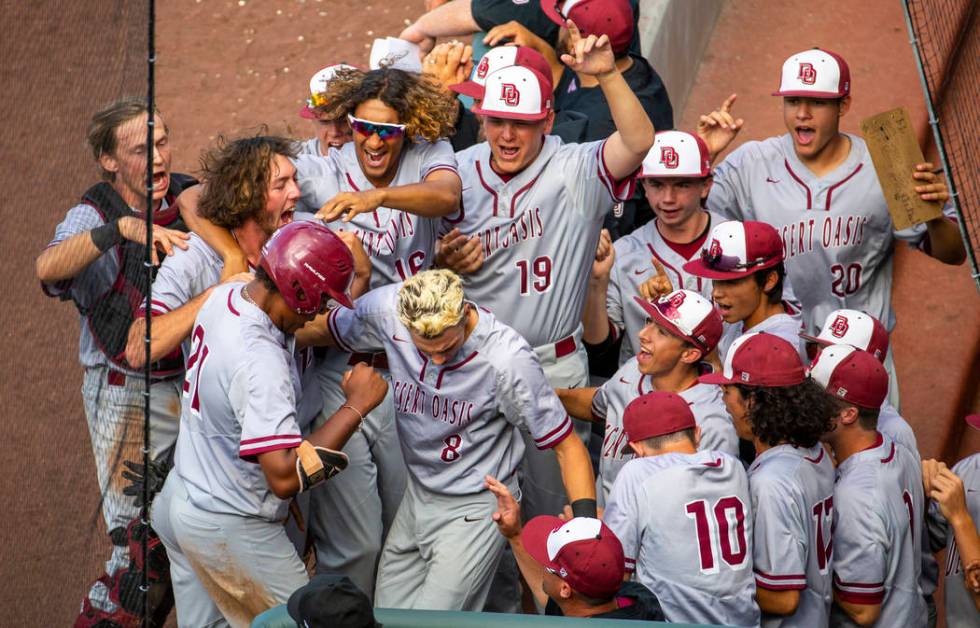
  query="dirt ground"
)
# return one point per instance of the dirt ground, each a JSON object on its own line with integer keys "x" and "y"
{"x": 229, "y": 66}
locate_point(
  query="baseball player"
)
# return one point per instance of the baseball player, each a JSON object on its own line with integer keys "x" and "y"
{"x": 574, "y": 568}
{"x": 676, "y": 178}
{"x": 684, "y": 517}
{"x": 537, "y": 206}
{"x": 956, "y": 495}
{"x": 682, "y": 328}
{"x": 327, "y": 132}
{"x": 878, "y": 502}
{"x": 783, "y": 414}
{"x": 744, "y": 260}
{"x": 463, "y": 384}
{"x": 863, "y": 331}
{"x": 96, "y": 260}
{"x": 818, "y": 187}
{"x": 240, "y": 453}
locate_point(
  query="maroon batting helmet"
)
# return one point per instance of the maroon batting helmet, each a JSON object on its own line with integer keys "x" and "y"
{"x": 308, "y": 262}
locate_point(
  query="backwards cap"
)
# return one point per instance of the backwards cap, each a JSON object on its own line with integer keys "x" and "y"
{"x": 815, "y": 73}
{"x": 613, "y": 18}
{"x": 657, "y": 413}
{"x": 676, "y": 154}
{"x": 737, "y": 249}
{"x": 583, "y": 552}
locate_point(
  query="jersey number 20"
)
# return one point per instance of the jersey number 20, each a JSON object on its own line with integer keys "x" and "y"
{"x": 720, "y": 530}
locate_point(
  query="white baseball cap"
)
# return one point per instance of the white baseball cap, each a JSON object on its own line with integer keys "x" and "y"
{"x": 497, "y": 59}
{"x": 676, "y": 154}
{"x": 318, "y": 85}
{"x": 815, "y": 73}
{"x": 854, "y": 328}
{"x": 516, "y": 93}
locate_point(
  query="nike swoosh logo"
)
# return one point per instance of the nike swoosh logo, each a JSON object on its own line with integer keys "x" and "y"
{"x": 623, "y": 379}
{"x": 472, "y": 518}
{"x": 771, "y": 180}
{"x": 397, "y": 339}
{"x": 640, "y": 271}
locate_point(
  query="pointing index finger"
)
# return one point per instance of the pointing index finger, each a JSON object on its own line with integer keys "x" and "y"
{"x": 660, "y": 267}
{"x": 727, "y": 105}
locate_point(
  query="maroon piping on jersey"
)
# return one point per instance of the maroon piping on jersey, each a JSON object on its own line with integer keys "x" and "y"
{"x": 817, "y": 459}
{"x": 831, "y": 189}
{"x": 453, "y": 367}
{"x": 680, "y": 278}
{"x": 716, "y": 463}
{"x": 891, "y": 454}
{"x": 230, "y": 306}
{"x": 479, "y": 173}
{"x": 513, "y": 199}
{"x": 809, "y": 196}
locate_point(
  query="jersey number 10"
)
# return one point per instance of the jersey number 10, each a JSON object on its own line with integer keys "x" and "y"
{"x": 720, "y": 530}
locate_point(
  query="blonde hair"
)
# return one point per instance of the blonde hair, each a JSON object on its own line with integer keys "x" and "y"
{"x": 431, "y": 302}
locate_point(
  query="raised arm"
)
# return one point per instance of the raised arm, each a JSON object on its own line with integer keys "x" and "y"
{"x": 595, "y": 316}
{"x": 576, "y": 475}
{"x": 218, "y": 238}
{"x": 945, "y": 242}
{"x": 626, "y": 148}
{"x": 508, "y": 520}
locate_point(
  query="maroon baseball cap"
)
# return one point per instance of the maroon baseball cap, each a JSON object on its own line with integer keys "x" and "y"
{"x": 737, "y": 249}
{"x": 657, "y": 414}
{"x": 499, "y": 58}
{"x": 613, "y": 18}
{"x": 854, "y": 375}
{"x": 855, "y": 328}
{"x": 759, "y": 359}
{"x": 582, "y": 551}
{"x": 687, "y": 315}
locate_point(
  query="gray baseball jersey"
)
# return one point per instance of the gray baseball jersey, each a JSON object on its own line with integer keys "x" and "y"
{"x": 787, "y": 326}
{"x": 399, "y": 244}
{"x": 685, "y": 521}
{"x": 188, "y": 273}
{"x": 539, "y": 231}
{"x": 628, "y": 383}
{"x": 309, "y": 146}
{"x": 793, "y": 501}
{"x": 633, "y": 267}
{"x": 892, "y": 425}
{"x": 878, "y": 514}
{"x": 240, "y": 395}
{"x": 458, "y": 422}
{"x": 836, "y": 229}
{"x": 960, "y": 610}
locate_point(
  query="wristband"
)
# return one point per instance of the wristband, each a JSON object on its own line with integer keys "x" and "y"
{"x": 585, "y": 508}
{"x": 106, "y": 236}
{"x": 355, "y": 411}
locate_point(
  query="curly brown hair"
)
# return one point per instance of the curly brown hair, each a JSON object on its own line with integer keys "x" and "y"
{"x": 798, "y": 415}
{"x": 237, "y": 177}
{"x": 425, "y": 110}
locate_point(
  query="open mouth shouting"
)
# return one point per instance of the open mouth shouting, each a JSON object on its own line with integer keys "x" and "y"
{"x": 375, "y": 159}
{"x": 804, "y": 135}
{"x": 161, "y": 180}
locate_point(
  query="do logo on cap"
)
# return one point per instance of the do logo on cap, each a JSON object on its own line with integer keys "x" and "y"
{"x": 668, "y": 157}
{"x": 808, "y": 74}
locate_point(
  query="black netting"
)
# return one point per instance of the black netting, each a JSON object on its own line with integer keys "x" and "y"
{"x": 947, "y": 35}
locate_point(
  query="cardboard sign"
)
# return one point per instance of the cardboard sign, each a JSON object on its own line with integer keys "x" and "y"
{"x": 895, "y": 153}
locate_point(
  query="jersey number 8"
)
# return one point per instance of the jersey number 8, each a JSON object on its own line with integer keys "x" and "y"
{"x": 720, "y": 530}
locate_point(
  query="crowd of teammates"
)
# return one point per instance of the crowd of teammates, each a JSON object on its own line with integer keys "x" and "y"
{"x": 438, "y": 353}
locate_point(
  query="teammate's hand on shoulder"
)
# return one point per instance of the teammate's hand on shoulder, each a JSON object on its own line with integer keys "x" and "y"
{"x": 134, "y": 230}
{"x": 590, "y": 55}
{"x": 459, "y": 253}
{"x": 719, "y": 127}
{"x": 658, "y": 285}
{"x": 364, "y": 388}
{"x": 508, "y": 514}
{"x": 605, "y": 256}
{"x": 931, "y": 187}
{"x": 362, "y": 263}
{"x": 350, "y": 204}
